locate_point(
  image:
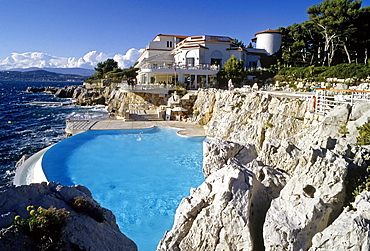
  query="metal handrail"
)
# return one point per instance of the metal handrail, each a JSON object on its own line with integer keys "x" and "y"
{"x": 326, "y": 99}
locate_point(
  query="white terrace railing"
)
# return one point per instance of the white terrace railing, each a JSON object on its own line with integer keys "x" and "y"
{"x": 181, "y": 67}
{"x": 160, "y": 88}
{"x": 326, "y": 99}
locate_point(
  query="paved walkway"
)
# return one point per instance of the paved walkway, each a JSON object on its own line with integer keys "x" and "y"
{"x": 187, "y": 129}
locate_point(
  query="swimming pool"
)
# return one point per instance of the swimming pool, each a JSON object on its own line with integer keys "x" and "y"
{"x": 141, "y": 175}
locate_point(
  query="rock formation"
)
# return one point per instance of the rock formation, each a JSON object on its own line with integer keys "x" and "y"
{"x": 287, "y": 192}
{"x": 277, "y": 175}
{"x": 350, "y": 231}
{"x": 82, "y": 231}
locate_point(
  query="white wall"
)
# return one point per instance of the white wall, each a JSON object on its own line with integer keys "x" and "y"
{"x": 271, "y": 42}
{"x": 160, "y": 42}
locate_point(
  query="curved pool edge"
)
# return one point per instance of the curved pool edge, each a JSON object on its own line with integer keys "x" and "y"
{"x": 31, "y": 170}
{"x": 32, "y": 167}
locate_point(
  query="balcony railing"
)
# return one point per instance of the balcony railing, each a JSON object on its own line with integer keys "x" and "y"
{"x": 181, "y": 67}
{"x": 155, "y": 87}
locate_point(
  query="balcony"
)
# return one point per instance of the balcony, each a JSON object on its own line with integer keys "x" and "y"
{"x": 173, "y": 67}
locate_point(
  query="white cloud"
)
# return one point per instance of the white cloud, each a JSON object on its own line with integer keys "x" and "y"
{"x": 89, "y": 60}
{"x": 127, "y": 60}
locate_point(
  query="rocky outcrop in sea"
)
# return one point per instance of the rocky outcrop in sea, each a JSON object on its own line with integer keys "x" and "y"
{"x": 118, "y": 101}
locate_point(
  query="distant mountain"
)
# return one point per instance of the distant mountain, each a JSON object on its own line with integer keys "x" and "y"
{"x": 74, "y": 71}
{"x": 39, "y": 75}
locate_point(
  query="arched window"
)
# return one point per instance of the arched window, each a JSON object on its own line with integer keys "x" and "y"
{"x": 190, "y": 58}
{"x": 216, "y": 58}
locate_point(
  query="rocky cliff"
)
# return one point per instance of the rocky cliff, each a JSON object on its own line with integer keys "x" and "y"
{"x": 93, "y": 228}
{"x": 118, "y": 101}
{"x": 276, "y": 178}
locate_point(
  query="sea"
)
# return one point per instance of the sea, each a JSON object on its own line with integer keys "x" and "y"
{"x": 26, "y": 128}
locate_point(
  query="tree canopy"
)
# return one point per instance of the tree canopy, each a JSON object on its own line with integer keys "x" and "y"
{"x": 337, "y": 32}
{"x": 233, "y": 69}
{"x": 106, "y": 66}
{"x": 109, "y": 69}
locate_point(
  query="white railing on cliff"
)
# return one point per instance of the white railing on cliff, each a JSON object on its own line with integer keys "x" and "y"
{"x": 326, "y": 99}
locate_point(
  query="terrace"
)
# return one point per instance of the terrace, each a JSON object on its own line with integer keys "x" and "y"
{"x": 166, "y": 67}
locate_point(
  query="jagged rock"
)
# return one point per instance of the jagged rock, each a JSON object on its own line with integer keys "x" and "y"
{"x": 312, "y": 198}
{"x": 82, "y": 232}
{"x": 250, "y": 118}
{"x": 203, "y": 106}
{"x": 281, "y": 200}
{"x": 13, "y": 239}
{"x": 217, "y": 152}
{"x": 350, "y": 231}
{"x": 353, "y": 126}
{"x": 280, "y": 154}
{"x": 66, "y": 92}
{"x": 359, "y": 109}
{"x": 100, "y": 100}
{"x": 273, "y": 179}
{"x": 35, "y": 89}
{"x": 216, "y": 216}
{"x": 334, "y": 120}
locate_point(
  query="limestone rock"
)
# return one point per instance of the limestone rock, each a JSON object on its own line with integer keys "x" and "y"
{"x": 250, "y": 118}
{"x": 312, "y": 198}
{"x": 217, "y": 152}
{"x": 216, "y": 214}
{"x": 203, "y": 106}
{"x": 332, "y": 123}
{"x": 272, "y": 178}
{"x": 280, "y": 154}
{"x": 81, "y": 232}
{"x": 359, "y": 109}
{"x": 360, "y": 121}
{"x": 350, "y": 231}
{"x": 66, "y": 92}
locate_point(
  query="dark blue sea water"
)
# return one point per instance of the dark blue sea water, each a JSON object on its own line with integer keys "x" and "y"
{"x": 25, "y": 128}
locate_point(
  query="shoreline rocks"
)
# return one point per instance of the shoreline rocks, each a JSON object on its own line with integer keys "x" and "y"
{"x": 81, "y": 232}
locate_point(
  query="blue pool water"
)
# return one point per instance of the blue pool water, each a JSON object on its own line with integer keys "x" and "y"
{"x": 141, "y": 175}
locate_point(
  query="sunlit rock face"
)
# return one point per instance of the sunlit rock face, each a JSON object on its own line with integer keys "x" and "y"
{"x": 350, "y": 231}
{"x": 275, "y": 177}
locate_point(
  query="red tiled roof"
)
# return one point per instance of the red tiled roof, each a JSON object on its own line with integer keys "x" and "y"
{"x": 267, "y": 31}
{"x": 181, "y": 36}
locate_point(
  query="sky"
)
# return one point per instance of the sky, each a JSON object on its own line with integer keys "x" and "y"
{"x": 81, "y": 33}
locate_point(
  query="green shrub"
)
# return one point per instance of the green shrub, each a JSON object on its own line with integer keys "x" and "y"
{"x": 357, "y": 180}
{"x": 344, "y": 71}
{"x": 343, "y": 129}
{"x": 82, "y": 205}
{"x": 43, "y": 225}
{"x": 364, "y": 137}
{"x": 320, "y": 73}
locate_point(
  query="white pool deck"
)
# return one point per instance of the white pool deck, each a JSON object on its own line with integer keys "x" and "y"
{"x": 31, "y": 170}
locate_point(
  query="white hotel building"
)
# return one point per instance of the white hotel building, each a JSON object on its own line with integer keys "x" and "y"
{"x": 196, "y": 60}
